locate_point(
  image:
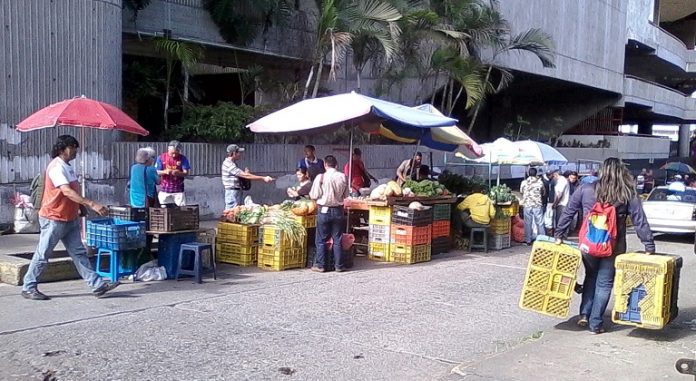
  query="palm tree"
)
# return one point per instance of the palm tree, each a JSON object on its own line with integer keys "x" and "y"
{"x": 175, "y": 51}
{"x": 339, "y": 22}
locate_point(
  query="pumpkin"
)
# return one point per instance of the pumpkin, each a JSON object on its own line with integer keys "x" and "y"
{"x": 395, "y": 188}
{"x": 299, "y": 209}
{"x": 311, "y": 207}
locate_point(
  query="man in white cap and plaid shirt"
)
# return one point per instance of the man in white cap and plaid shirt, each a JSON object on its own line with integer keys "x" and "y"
{"x": 172, "y": 167}
{"x": 231, "y": 175}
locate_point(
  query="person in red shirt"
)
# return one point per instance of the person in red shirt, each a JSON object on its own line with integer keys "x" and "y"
{"x": 360, "y": 178}
{"x": 59, "y": 220}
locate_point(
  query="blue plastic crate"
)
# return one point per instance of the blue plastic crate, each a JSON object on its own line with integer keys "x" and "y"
{"x": 108, "y": 233}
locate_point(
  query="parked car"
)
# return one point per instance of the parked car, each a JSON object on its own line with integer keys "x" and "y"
{"x": 671, "y": 209}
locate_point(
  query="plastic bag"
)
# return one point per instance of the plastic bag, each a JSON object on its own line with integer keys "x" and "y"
{"x": 150, "y": 272}
{"x": 548, "y": 217}
{"x": 26, "y": 220}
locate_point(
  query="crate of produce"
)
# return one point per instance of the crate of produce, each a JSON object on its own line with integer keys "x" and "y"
{"x": 308, "y": 221}
{"x": 403, "y": 215}
{"x": 127, "y": 213}
{"x": 441, "y": 245}
{"x": 379, "y": 234}
{"x": 240, "y": 255}
{"x": 380, "y": 215}
{"x": 411, "y": 235}
{"x": 272, "y": 236}
{"x": 410, "y": 254}
{"x": 441, "y": 228}
{"x": 442, "y": 212}
{"x": 174, "y": 219}
{"x": 646, "y": 289}
{"x": 112, "y": 234}
{"x": 550, "y": 278}
{"x": 378, "y": 252}
{"x": 270, "y": 258}
{"x": 498, "y": 241}
{"x": 238, "y": 233}
{"x": 500, "y": 226}
{"x": 509, "y": 210}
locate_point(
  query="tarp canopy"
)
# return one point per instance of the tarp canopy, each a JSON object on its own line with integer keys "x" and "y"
{"x": 333, "y": 111}
{"x": 424, "y": 124}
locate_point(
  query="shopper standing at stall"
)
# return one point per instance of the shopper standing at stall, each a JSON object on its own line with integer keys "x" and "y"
{"x": 329, "y": 190}
{"x": 614, "y": 189}
{"x": 360, "y": 178}
{"x": 172, "y": 167}
{"x": 59, "y": 219}
{"x": 233, "y": 176}
{"x": 312, "y": 164}
{"x": 533, "y": 190}
{"x": 143, "y": 179}
{"x": 561, "y": 191}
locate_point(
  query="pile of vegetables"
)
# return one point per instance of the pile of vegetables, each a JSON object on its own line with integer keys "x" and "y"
{"x": 459, "y": 184}
{"x": 282, "y": 216}
{"x": 301, "y": 207}
{"x": 386, "y": 190}
{"x": 501, "y": 194}
{"x": 425, "y": 188}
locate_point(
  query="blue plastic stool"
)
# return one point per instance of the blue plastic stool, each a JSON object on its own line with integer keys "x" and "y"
{"x": 116, "y": 271}
{"x": 198, "y": 249}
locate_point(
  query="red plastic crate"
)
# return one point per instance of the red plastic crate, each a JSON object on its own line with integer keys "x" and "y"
{"x": 410, "y": 235}
{"x": 441, "y": 229}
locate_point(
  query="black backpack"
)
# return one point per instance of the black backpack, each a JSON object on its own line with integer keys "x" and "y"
{"x": 244, "y": 184}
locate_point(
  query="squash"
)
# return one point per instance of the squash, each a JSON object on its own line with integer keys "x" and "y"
{"x": 395, "y": 188}
{"x": 300, "y": 209}
{"x": 379, "y": 192}
{"x": 311, "y": 207}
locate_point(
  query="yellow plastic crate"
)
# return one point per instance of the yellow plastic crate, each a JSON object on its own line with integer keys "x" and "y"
{"x": 271, "y": 235}
{"x": 550, "y": 279}
{"x": 380, "y": 215}
{"x": 378, "y": 252}
{"x": 236, "y": 254}
{"x": 410, "y": 254}
{"x": 238, "y": 233}
{"x": 645, "y": 290}
{"x": 500, "y": 226}
{"x": 309, "y": 222}
{"x": 279, "y": 260}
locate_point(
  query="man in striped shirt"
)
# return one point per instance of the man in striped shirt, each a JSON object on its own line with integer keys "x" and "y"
{"x": 231, "y": 175}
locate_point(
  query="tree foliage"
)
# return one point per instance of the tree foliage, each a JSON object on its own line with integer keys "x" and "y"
{"x": 223, "y": 122}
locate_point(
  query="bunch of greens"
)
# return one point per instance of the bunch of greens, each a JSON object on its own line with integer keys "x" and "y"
{"x": 426, "y": 188}
{"x": 501, "y": 194}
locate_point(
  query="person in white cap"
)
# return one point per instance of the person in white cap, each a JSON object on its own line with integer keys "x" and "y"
{"x": 233, "y": 178}
{"x": 172, "y": 167}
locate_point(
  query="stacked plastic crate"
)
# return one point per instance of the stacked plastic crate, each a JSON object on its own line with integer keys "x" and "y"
{"x": 441, "y": 241}
{"x": 646, "y": 288}
{"x": 278, "y": 252}
{"x": 379, "y": 236}
{"x": 550, "y": 279}
{"x": 237, "y": 244}
{"x": 310, "y": 224}
{"x": 120, "y": 240}
{"x": 499, "y": 231}
{"x": 411, "y": 235}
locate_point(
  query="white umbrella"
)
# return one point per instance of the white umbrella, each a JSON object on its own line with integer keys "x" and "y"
{"x": 536, "y": 153}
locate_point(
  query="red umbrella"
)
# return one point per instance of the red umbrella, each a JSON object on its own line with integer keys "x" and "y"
{"x": 81, "y": 112}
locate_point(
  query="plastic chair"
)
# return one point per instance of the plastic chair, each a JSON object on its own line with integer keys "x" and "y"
{"x": 198, "y": 249}
{"x": 480, "y": 245}
{"x": 116, "y": 270}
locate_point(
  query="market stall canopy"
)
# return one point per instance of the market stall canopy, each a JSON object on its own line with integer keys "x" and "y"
{"x": 678, "y": 167}
{"x": 526, "y": 152}
{"x": 81, "y": 112}
{"x": 366, "y": 112}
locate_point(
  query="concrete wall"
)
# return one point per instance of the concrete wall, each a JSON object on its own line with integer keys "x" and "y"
{"x": 661, "y": 100}
{"x": 624, "y": 147}
{"x": 589, "y": 37}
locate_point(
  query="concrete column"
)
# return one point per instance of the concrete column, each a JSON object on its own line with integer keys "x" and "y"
{"x": 684, "y": 143}
{"x": 645, "y": 128}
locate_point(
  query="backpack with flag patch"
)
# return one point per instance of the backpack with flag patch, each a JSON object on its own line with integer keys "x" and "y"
{"x": 598, "y": 232}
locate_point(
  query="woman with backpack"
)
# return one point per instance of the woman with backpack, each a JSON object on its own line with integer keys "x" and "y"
{"x": 605, "y": 205}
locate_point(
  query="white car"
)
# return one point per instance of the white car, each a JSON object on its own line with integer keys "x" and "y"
{"x": 671, "y": 209}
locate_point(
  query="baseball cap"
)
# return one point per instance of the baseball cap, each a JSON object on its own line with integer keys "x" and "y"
{"x": 175, "y": 144}
{"x": 234, "y": 148}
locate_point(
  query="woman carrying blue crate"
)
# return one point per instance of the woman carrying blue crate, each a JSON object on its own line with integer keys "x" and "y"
{"x": 615, "y": 187}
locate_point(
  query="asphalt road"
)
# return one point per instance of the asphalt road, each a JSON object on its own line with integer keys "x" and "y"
{"x": 455, "y": 318}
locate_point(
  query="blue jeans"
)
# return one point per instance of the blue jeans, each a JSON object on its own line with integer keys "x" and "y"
{"x": 599, "y": 280}
{"x": 533, "y": 216}
{"x": 329, "y": 224}
{"x": 233, "y": 197}
{"x": 69, "y": 233}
